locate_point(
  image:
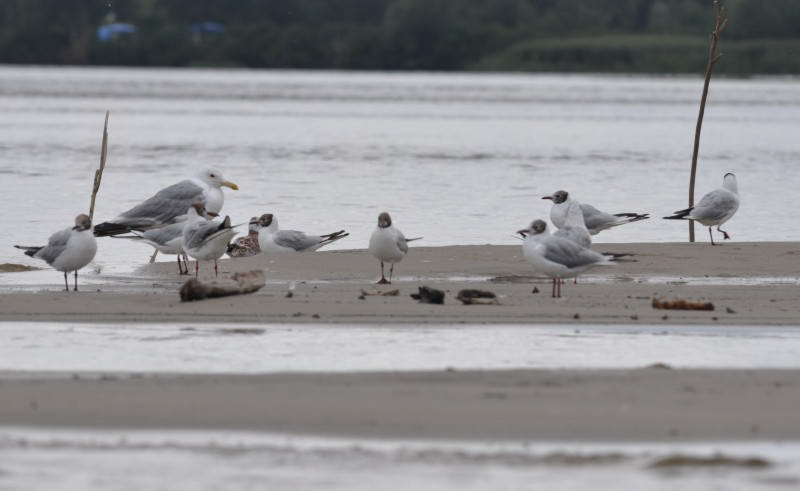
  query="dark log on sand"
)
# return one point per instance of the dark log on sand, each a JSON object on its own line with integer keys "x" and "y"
{"x": 238, "y": 284}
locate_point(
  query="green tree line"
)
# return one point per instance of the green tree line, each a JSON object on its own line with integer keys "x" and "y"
{"x": 661, "y": 36}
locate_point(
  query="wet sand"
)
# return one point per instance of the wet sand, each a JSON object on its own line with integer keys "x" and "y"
{"x": 749, "y": 283}
{"x": 648, "y": 404}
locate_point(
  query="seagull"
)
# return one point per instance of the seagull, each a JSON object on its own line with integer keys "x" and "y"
{"x": 166, "y": 240}
{"x": 388, "y": 245}
{"x": 557, "y": 257}
{"x": 170, "y": 204}
{"x": 574, "y": 227}
{"x": 246, "y": 246}
{"x": 716, "y": 207}
{"x": 596, "y": 221}
{"x": 204, "y": 240}
{"x": 67, "y": 250}
{"x": 271, "y": 239}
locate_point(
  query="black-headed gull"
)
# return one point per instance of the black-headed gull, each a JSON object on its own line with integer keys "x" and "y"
{"x": 67, "y": 250}
{"x": 716, "y": 207}
{"x": 388, "y": 245}
{"x": 204, "y": 240}
{"x": 272, "y": 239}
{"x": 596, "y": 221}
{"x": 557, "y": 257}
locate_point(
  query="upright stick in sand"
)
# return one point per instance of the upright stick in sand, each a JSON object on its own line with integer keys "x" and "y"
{"x": 714, "y": 55}
{"x": 98, "y": 174}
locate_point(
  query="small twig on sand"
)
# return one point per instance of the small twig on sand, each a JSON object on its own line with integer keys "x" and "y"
{"x": 98, "y": 174}
{"x": 714, "y": 55}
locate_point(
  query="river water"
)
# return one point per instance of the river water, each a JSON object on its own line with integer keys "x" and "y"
{"x": 457, "y": 158}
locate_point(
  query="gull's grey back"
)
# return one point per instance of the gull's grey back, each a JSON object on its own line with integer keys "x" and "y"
{"x": 163, "y": 235}
{"x": 170, "y": 202}
{"x": 570, "y": 254}
{"x": 196, "y": 233}
{"x": 296, "y": 240}
{"x": 716, "y": 205}
{"x": 55, "y": 246}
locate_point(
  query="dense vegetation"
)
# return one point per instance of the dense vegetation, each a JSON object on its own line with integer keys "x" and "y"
{"x": 538, "y": 35}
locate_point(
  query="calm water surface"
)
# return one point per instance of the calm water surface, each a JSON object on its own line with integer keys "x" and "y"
{"x": 458, "y": 158}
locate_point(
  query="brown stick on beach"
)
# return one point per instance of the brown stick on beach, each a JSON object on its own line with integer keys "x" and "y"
{"x": 98, "y": 174}
{"x": 714, "y": 55}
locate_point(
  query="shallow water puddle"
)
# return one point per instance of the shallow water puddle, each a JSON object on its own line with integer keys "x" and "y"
{"x": 201, "y": 460}
{"x": 243, "y": 348}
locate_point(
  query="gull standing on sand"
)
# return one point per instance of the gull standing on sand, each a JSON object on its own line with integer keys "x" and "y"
{"x": 204, "y": 240}
{"x": 272, "y": 239}
{"x": 716, "y": 207}
{"x": 388, "y": 245}
{"x": 595, "y": 220}
{"x": 68, "y": 250}
{"x": 246, "y": 246}
{"x": 557, "y": 257}
{"x": 170, "y": 204}
{"x": 167, "y": 240}
{"x": 574, "y": 227}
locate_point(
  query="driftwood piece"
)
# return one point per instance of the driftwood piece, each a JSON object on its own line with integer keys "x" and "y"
{"x": 477, "y": 297}
{"x": 238, "y": 284}
{"x": 680, "y": 304}
{"x": 429, "y": 295}
{"x": 380, "y": 293}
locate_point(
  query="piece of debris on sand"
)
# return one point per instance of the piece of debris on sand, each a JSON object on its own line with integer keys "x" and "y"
{"x": 472, "y": 296}
{"x": 380, "y": 293}
{"x": 429, "y": 295}
{"x": 238, "y": 284}
{"x": 15, "y": 268}
{"x": 680, "y": 304}
{"x": 716, "y": 460}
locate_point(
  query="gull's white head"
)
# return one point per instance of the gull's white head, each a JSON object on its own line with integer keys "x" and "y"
{"x": 214, "y": 178}
{"x": 538, "y": 227}
{"x": 729, "y": 183}
{"x": 558, "y": 197}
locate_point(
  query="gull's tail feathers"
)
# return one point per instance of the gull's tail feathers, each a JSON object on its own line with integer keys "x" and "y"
{"x": 331, "y": 238}
{"x": 680, "y": 215}
{"x": 108, "y": 229}
{"x": 631, "y": 217}
{"x": 30, "y": 250}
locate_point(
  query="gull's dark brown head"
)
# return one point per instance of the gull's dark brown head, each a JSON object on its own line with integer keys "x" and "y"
{"x": 384, "y": 220}
{"x": 558, "y": 197}
{"x": 537, "y": 227}
{"x": 82, "y": 222}
{"x": 265, "y": 220}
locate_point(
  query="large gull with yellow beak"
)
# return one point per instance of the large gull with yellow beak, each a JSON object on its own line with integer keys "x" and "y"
{"x": 170, "y": 204}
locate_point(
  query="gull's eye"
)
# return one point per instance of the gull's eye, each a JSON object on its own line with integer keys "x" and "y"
{"x": 212, "y": 175}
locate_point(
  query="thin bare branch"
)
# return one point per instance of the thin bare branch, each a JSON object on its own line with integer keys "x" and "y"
{"x": 98, "y": 174}
{"x": 720, "y": 23}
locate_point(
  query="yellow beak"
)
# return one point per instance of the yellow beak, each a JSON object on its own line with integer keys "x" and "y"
{"x": 231, "y": 185}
